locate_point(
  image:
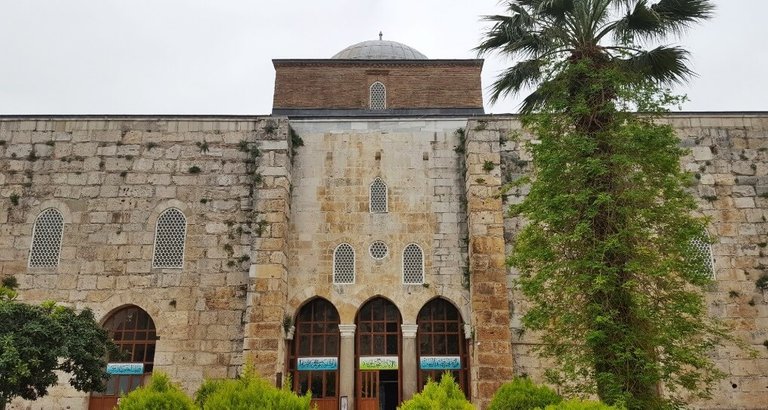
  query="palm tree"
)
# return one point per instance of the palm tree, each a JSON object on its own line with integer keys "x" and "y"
{"x": 581, "y": 56}
{"x": 546, "y": 32}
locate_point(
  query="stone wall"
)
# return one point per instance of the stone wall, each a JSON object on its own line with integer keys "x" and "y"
{"x": 492, "y": 360}
{"x": 330, "y": 84}
{"x": 729, "y": 159}
{"x": 111, "y": 179}
{"x": 332, "y": 175}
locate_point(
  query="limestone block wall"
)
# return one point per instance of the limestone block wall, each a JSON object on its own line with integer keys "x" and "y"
{"x": 492, "y": 359}
{"x": 268, "y": 275}
{"x": 330, "y": 205}
{"x": 729, "y": 160}
{"x": 111, "y": 178}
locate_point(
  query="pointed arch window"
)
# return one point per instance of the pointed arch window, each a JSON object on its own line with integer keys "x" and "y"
{"x": 413, "y": 265}
{"x": 344, "y": 264}
{"x": 378, "y": 96}
{"x": 46, "y": 239}
{"x": 378, "y": 197}
{"x": 170, "y": 236}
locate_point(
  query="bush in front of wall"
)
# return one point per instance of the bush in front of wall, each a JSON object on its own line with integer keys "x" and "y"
{"x": 249, "y": 391}
{"x": 446, "y": 395}
{"x": 523, "y": 394}
{"x": 159, "y": 393}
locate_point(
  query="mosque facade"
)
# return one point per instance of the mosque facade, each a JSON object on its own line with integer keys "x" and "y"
{"x": 354, "y": 239}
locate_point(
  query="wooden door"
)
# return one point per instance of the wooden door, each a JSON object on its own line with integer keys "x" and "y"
{"x": 368, "y": 389}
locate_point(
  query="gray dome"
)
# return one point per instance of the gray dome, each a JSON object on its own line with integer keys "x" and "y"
{"x": 379, "y": 50}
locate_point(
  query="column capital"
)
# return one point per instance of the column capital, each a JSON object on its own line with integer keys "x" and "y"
{"x": 409, "y": 330}
{"x": 347, "y": 330}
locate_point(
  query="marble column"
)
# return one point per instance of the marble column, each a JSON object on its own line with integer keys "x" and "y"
{"x": 347, "y": 364}
{"x": 410, "y": 364}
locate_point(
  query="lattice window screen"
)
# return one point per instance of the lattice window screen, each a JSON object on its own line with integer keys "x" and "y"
{"x": 170, "y": 235}
{"x": 46, "y": 239}
{"x": 344, "y": 264}
{"x": 378, "y": 250}
{"x": 378, "y": 198}
{"x": 413, "y": 264}
{"x": 701, "y": 249}
{"x": 378, "y": 96}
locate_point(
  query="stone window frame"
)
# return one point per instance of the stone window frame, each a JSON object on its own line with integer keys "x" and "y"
{"x": 183, "y": 241}
{"x": 378, "y": 247}
{"x": 375, "y": 181}
{"x": 354, "y": 264}
{"x": 380, "y": 94}
{"x": 35, "y": 231}
{"x": 423, "y": 274}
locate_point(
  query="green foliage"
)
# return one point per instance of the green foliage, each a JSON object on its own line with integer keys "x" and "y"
{"x": 194, "y": 169}
{"x": 14, "y": 199}
{"x": 296, "y": 140}
{"x": 762, "y": 282}
{"x": 488, "y": 166}
{"x": 247, "y": 392}
{"x": 522, "y": 394}
{"x": 606, "y": 259}
{"x": 446, "y": 395}
{"x": 36, "y": 341}
{"x": 203, "y": 146}
{"x": 577, "y": 404}
{"x": 159, "y": 394}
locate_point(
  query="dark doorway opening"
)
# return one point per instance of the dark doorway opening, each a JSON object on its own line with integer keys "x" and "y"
{"x": 388, "y": 388}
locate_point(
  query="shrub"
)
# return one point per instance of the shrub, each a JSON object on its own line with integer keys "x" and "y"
{"x": 577, "y": 404}
{"x": 159, "y": 394}
{"x": 446, "y": 395}
{"x": 247, "y": 392}
{"x": 522, "y": 394}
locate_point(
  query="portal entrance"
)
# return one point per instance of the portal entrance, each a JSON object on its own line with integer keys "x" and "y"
{"x": 377, "y": 356}
{"x": 314, "y": 357}
{"x": 133, "y": 331}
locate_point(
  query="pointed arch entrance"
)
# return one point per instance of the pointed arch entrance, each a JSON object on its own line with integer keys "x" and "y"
{"x": 134, "y": 333}
{"x": 378, "y": 356}
{"x": 314, "y": 355}
{"x": 441, "y": 344}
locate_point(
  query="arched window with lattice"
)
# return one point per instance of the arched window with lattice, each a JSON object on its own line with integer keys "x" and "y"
{"x": 701, "y": 253}
{"x": 170, "y": 236}
{"x": 46, "y": 239}
{"x": 378, "y": 98}
{"x": 378, "y": 197}
{"x": 413, "y": 265}
{"x": 344, "y": 264}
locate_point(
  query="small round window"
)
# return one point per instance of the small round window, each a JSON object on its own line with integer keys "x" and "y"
{"x": 378, "y": 250}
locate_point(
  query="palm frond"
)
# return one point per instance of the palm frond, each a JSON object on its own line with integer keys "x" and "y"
{"x": 666, "y": 65}
{"x": 677, "y": 15}
{"x": 513, "y": 79}
{"x": 640, "y": 21}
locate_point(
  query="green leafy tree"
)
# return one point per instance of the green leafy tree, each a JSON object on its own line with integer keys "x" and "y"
{"x": 37, "y": 341}
{"x": 606, "y": 257}
{"x": 445, "y": 395}
{"x": 159, "y": 394}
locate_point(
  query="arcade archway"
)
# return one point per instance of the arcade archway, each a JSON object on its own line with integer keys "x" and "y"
{"x": 314, "y": 356}
{"x": 441, "y": 344}
{"x": 378, "y": 357}
{"x": 133, "y": 331}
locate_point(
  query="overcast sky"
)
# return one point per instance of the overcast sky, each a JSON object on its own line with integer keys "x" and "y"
{"x": 214, "y": 56}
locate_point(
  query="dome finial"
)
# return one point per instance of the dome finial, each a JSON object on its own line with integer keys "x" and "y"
{"x": 380, "y": 35}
